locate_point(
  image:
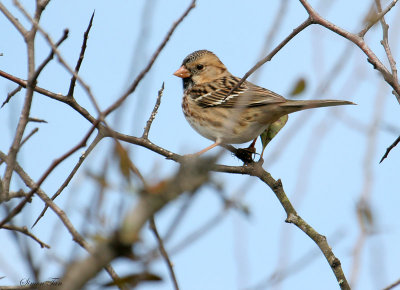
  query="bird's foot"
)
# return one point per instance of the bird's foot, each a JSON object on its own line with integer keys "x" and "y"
{"x": 245, "y": 154}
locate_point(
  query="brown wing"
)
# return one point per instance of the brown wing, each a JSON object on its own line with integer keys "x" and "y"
{"x": 247, "y": 95}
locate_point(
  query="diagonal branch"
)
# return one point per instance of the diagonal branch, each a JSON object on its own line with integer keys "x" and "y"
{"x": 13, "y": 20}
{"x": 141, "y": 75}
{"x": 357, "y": 40}
{"x": 11, "y": 94}
{"x": 54, "y": 164}
{"x": 80, "y": 59}
{"x": 394, "y": 144}
{"x": 255, "y": 169}
{"x": 25, "y": 231}
{"x": 37, "y": 27}
{"x": 377, "y": 18}
{"x": 58, "y": 97}
{"x": 191, "y": 175}
{"x": 164, "y": 253}
{"x": 71, "y": 175}
{"x": 77, "y": 237}
{"x": 295, "y": 31}
{"x": 51, "y": 55}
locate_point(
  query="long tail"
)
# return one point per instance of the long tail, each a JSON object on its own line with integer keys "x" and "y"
{"x": 294, "y": 106}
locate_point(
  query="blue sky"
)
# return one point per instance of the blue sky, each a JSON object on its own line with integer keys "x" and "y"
{"x": 325, "y": 162}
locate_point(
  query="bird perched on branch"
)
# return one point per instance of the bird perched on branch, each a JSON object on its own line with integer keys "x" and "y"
{"x": 231, "y": 117}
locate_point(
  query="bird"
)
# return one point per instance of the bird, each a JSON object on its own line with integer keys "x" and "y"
{"x": 231, "y": 117}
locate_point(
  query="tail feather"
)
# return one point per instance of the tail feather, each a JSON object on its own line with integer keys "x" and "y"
{"x": 294, "y": 106}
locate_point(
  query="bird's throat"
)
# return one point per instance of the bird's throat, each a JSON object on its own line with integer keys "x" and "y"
{"x": 187, "y": 83}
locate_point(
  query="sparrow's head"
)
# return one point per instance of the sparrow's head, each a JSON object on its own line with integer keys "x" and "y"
{"x": 201, "y": 66}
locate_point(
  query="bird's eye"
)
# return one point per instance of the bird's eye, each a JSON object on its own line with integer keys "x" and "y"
{"x": 200, "y": 66}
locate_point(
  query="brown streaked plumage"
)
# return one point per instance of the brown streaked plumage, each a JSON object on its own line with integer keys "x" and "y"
{"x": 236, "y": 118}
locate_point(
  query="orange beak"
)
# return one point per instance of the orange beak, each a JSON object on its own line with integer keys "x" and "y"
{"x": 182, "y": 72}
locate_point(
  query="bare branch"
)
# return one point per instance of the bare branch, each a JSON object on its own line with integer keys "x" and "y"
{"x": 25, "y": 231}
{"x": 153, "y": 113}
{"x": 357, "y": 40}
{"x": 394, "y": 144}
{"x": 80, "y": 59}
{"x": 60, "y": 58}
{"x": 54, "y": 164}
{"x": 189, "y": 178}
{"x": 385, "y": 44}
{"x": 391, "y": 286}
{"x": 13, "y": 20}
{"x": 141, "y": 75}
{"x": 11, "y": 94}
{"x": 11, "y": 195}
{"x": 59, "y": 212}
{"x": 59, "y": 97}
{"x": 377, "y": 18}
{"x": 29, "y": 38}
{"x": 29, "y": 135}
{"x": 36, "y": 120}
{"x": 71, "y": 175}
{"x": 255, "y": 169}
{"x": 164, "y": 253}
{"x": 295, "y": 31}
{"x": 51, "y": 55}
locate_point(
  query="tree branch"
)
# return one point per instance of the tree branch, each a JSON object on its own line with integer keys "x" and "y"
{"x": 357, "y": 40}
{"x": 153, "y": 113}
{"x": 142, "y": 74}
{"x": 80, "y": 59}
{"x": 164, "y": 253}
{"x": 295, "y": 31}
{"x": 25, "y": 231}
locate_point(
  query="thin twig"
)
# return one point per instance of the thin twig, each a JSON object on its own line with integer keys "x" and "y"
{"x": 36, "y": 120}
{"x": 274, "y": 29}
{"x": 81, "y": 56}
{"x": 13, "y": 20}
{"x": 295, "y": 31}
{"x": 391, "y": 286}
{"x": 357, "y": 40}
{"x": 255, "y": 169}
{"x": 51, "y": 55}
{"x": 59, "y": 97}
{"x": 60, "y": 58}
{"x": 295, "y": 267}
{"x": 178, "y": 218}
{"x": 141, "y": 75}
{"x": 394, "y": 144}
{"x": 29, "y": 38}
{"x": 153, "y": 113}
{"x": 11, "y": 94}
{"x": 377, "y": 18}
{"x": 71, "y": 175}
{"x": 164, "y": 253}
{"x": 54, "y": 164}
{"x": 59, "y": 212}
{"x": 191, "y": 175}
{"x": 25, "y": 231}
{"x": 12, "y": 194}
{"x": 385, "y": 42}
{"x": 29, "y": 135}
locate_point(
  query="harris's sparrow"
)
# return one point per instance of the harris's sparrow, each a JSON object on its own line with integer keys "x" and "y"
{"x": 236, "y": 118}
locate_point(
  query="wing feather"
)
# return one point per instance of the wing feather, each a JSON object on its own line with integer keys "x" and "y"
{"x": 247, "y": 95}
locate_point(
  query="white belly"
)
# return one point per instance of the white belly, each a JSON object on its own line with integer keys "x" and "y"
{"x": 229, "y": 132}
